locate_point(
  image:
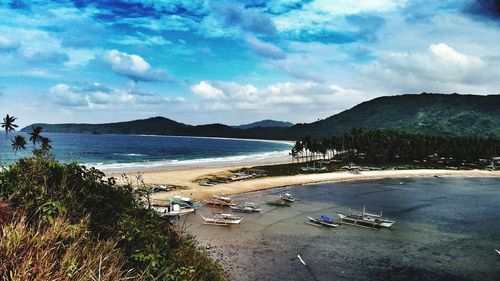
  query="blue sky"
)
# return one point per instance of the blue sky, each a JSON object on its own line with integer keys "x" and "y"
{"x": 237, "y": 61}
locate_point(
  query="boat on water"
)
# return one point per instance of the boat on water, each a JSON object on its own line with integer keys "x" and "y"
{"x": 279, "y": 202}
{"x": 498, "y": 252}
{"x": 222, "y": 219}
{"x": 287, "y": 197}
{"x": 172, "y": 210}
{"x": 364, "y": 219}
{"x": 248, "y": 207}
{"x": 323, "y": 220}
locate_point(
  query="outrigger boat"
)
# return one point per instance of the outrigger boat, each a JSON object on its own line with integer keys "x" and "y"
{"x": 184, "y": 202}
{"x": 323, "y": 220}
{"x": 279, "y": 202}
{"x": 222, "y": 219}
{"x": 220, "y": 201}
{"x": 173, "y": 210}
{"x": 248, "y": 207}
{"x": 364, "y": 219}
{"x": 287, "y": 197}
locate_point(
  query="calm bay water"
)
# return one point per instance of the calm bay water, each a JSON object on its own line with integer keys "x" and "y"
{"x": 122, "y": 151}
{"x": 447, "y": 229}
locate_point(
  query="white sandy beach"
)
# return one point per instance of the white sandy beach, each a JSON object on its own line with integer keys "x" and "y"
{"x": 188, "y": 177}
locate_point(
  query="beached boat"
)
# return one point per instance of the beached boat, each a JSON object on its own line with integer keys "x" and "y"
{"x": 222, "y": 198}
{"x": 222, "y": 219}
{"x": 279, "y": 202}
{"x": 219, "y": 203}
{"x": 248, "y": 207}
{"x": 184, "y": 202}
{"x": 287, "y": 197}
{"x": 323, "y": 220}
{"x": 173, "y": 210}
{"x": 364, "y": 219}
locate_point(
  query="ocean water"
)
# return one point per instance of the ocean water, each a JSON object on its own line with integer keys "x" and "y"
{"x": 446, "y": 229}
{"x": 110, "y": 151}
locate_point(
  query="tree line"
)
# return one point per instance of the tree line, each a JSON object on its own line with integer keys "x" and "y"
{"x": 387, "y": 146}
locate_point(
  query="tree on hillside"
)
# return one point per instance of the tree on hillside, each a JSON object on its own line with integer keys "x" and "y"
{"x": 8, "y": 124}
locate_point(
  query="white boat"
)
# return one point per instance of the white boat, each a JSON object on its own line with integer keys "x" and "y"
{"x": 222, "y": 198}
{"x": 222, "y": 219}
{"x": 498, "y": 252}
{"x": 364, "y": 219}
{"x": 287, "y": 197}
{"x": 173, "y": 210}
{"x": 324, "y": 220}
{"x": 248, "y": 207}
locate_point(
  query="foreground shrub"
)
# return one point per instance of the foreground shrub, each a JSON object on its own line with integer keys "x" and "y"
{"x": 61, "y": 251}
{"x": 44, "y": 190}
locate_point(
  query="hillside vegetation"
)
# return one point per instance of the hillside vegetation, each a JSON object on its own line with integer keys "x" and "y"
{"x": 429, "y": 114}
{"x": 68, "y": 222}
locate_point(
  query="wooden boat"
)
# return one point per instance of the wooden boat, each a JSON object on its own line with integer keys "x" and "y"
{"x": 219, "y": 203}
{"x": 248, "y": 207}
{"x": 323, "y": 220}
{"x": 279, "y": 202}
{"x": 173, "y": 210}
{"x": 364, "y": 219}
{"x": 287, "y": 197}
{"x": 222, "y": 219}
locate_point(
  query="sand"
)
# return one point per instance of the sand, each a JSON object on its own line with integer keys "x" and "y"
{"x": 188, "y": 179}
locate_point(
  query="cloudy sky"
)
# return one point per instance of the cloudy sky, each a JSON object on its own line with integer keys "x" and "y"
{"x": 234, "y": 62}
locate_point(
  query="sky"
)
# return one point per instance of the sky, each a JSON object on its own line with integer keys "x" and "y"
{"x": 236, "y": 62}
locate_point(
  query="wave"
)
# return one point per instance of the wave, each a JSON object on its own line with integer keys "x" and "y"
{"x": 130, "y": 154}
{"x": 172, "y": 163}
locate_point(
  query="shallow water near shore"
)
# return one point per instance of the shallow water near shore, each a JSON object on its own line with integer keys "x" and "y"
{"x": 446, "y": 229}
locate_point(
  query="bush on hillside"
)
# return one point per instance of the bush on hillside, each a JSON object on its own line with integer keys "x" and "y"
{"x": 44, "y": 190}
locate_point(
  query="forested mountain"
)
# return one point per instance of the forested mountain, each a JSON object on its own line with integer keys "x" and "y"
{"x": 428, "y": 114}
{"x": 265, "y": 124}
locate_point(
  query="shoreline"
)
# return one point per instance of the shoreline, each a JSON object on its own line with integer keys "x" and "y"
{"x": 187, "y": 177}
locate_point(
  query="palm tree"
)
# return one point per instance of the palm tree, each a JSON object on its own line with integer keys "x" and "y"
{"x": 8, "y": 124}
{"x": 19, "y": 142}
{"x": 35, "y": 135}
{"x": 45, "y": 147}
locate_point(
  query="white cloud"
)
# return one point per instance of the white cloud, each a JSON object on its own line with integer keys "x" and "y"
{"x": 134, "y": 67}
{"x": 207, "y": 91}
{"x": 276, "y": 100}
{"x": 64, "y": 95}
{"x": 98, "y": 96}
{"x": 326, "y": 14}
{"x": 8, "y": 44}
{"x": 265, "y": 49}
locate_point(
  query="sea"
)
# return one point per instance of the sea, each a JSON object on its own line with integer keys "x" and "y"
{"x": 129, "y": 152}
{"x": 446, "y": 229}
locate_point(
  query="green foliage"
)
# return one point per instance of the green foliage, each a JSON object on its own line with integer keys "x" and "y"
{"x": 45, "y": 190}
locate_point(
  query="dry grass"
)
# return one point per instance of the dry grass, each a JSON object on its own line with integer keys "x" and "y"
{"x": 61, "y": 251}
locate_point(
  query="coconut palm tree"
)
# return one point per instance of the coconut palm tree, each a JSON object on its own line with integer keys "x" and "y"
{"x": 18, "y": 143}
{"x": 45, "y": 147}
{"x": 8, "y": 124}
{"x": 35, "y": 135}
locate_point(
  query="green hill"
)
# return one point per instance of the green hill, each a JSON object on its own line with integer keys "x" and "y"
{"x": 429, "y": 114}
